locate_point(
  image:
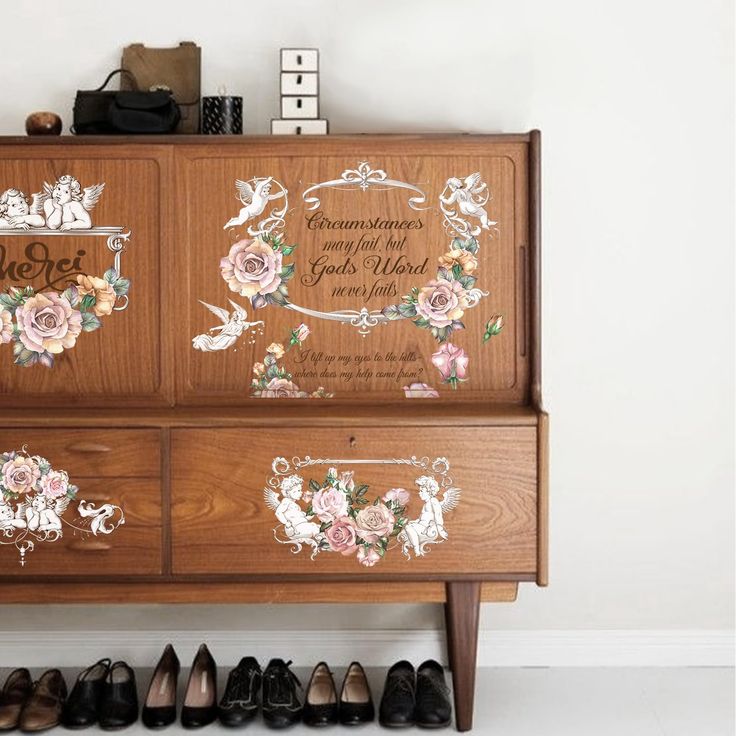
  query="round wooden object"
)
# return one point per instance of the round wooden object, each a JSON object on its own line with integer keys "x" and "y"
{"x": 43, "y": 123}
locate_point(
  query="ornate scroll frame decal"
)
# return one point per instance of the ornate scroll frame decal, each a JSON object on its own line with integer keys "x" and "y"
{"x": 41, "y": 325}
{"x": 42, "y": 496}
{"x": 338, "y": 516}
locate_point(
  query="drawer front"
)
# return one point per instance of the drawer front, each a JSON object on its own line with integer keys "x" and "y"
{"x": 76, "y": 502}
{"x": 421, "y": 500}
{"x": 132, "y": 548}
{"x": 92, "y": 453}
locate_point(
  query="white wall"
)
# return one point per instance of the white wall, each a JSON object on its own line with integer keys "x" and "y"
{"x": 635, "y": 101}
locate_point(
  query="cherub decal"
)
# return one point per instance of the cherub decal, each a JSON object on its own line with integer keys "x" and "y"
{"x": 471, "y": 195}
{"x": 298, "y": 527}
{"x": 42, "y": 518}
{"x": 255, "y": 198}
{"x": 429, "y": 528}
{"x": 66, "y": 205}
{"x": 234, "y": 324}
{"x": 15, "y": 214}
{"x": 10, "y": 519}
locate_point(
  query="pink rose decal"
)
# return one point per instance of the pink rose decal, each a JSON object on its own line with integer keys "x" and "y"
{"x": 20, "y": 474}
{"x": 280, "y": 388}
{"x": 441, "y": 302}
{"x": 452, "y": 363}
{"x": 374, "y": 522}
{"x": 341, "y": 536}
{"x": 6, "y": 326}
{"x": 47, "y": 322}
{"x": 329, "y": 504}
{"x": 252, "y": 267}
{"x": 368, "y": 556}
{"x": 420, "y": 391}
{"x": 399, "y": 496}
{"x": 55, "y": 484}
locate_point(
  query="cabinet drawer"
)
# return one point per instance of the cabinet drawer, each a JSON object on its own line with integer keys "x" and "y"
{"x": 91, "y": 453}
{"x": 240, "y": 500}
{"x": 132, "y": 548}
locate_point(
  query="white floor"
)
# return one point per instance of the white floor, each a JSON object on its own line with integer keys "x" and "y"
{"x": 693, "y": 701}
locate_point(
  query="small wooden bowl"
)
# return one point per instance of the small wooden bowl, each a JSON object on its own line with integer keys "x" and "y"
{"x": 43, "y": 123}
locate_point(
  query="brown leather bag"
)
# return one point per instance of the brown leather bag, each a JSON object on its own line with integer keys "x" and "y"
{"x": 177, "y": 69}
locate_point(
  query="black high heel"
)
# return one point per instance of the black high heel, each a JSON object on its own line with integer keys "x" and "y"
{"x": 159, "y": 709}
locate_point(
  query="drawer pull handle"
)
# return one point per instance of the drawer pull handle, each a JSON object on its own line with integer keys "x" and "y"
{"x": 80, "y": 546}
{"x": 100, "y": 497}
{"x": 89, "y": 447}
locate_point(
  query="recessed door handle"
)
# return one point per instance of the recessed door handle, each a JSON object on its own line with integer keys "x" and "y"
{"x": 95, "y": 546}
{"x": 89, "y": 447}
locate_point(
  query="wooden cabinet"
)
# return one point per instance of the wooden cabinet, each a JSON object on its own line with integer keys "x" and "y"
{"x": 273, "y": 369}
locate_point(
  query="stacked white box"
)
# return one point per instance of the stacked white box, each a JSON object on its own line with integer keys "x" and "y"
{"x": 299, "y": 94}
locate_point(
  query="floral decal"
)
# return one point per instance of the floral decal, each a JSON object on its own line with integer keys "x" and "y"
{"x": 272, "y": 381}
{"x": 336, "y": 515}
{"x": 43, "y": 325}
{"x": 34, "y": 498}
{"x": 493, "y": 327}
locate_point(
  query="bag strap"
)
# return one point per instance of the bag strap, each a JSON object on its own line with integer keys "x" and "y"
{"x": 131, "y": 76}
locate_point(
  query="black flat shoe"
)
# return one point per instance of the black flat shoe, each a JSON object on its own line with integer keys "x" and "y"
{"x": 356, "y": 702}
{"x": 159, "y": 710}
{"x": 320, "y": 703}
{"x": 200, "y": 701}
{"x": 239, "y": 704}
{"x": 397, "y": 703}
{"x": 16, "y": 691}
{"x": 82, "y": 707}
{"x": 281, "y": 704}
{"x": 433, "y": 709}
{"x": 119, "y": 703}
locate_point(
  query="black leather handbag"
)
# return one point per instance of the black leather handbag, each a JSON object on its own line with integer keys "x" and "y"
{"x": 108, "y": 112}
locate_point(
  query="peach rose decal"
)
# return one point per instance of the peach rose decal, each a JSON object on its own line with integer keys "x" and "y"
{"x": 19, "y": 474}
{"x": 99, "y": 294}
{"x": 374, "y": 522}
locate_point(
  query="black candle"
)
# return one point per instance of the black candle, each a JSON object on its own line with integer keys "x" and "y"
{"x": 222, "y": 115}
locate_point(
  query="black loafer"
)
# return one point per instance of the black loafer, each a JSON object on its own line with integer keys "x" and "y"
{"x": 159, "y": 710}
{"x": 81, "y": 708}
{"x": 433, "y": 709}
{"x": 200, "y": 701}
{"x": 239, "y": 703}
{"x": 356, "y": 702}
{"x": 281, "y": 704}
{"x": 397, "y": 703}
{"x": 320, "y": 703}
{"x": 119, "y": 703}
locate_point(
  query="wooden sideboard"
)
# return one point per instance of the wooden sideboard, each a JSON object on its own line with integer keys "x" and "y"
{"x": 258, "y": 369}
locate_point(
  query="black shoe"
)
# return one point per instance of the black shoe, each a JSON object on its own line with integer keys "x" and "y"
{"x": 16, "y": 691}
{"x": 81, "y": 708}
{"x": 119, "y": 703}
{"x": 239, "y": 703}
{"x": 433, "y": 709}
{"x": 356, "y": 703}
{"x": 397, "y": 703}
{"x": 200, "y": 701}
{"x": 320, "y": 703}
{"x": 281, "y": 704}
{"x": 159, "y": 710}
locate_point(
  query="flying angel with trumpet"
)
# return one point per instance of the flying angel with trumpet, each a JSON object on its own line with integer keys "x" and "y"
{"x": 234, "y": 324}
{"x": 254, "y": 198}
{"x": 471, "y": 195}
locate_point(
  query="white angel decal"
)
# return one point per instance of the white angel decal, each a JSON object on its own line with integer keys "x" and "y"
{"x": 255, "y": 200}
{"x": 11, "y": 520}
{"x": 429, "y": 528}
{"x": 234, "y": 324}
{"x": 471, "y": 195}
{"x": 40, "y": 517}
{"x": 299, "y": 527}
{"x": 65, "y": 205}
{"x": 15, "y": 214}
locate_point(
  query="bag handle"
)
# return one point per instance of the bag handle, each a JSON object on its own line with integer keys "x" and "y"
{"x": 118, "y": 71}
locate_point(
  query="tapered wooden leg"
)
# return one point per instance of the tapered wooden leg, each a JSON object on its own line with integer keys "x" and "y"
{"x": 462, "y": 613}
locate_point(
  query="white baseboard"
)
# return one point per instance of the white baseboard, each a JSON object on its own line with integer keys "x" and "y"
{"x": 618, "y": 648}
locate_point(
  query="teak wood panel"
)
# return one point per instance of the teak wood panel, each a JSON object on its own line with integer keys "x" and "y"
{"x": 122, "y": 359}
{"x": 134, "y": 548}
{"x": 91, "y": 453}
{"x": 222, "y": 525}
{"x": 499, "y": 370}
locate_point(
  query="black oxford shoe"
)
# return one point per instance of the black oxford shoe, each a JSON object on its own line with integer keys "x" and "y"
{"x": 433, "y": 709}
{"x": 239, "y": 703}
{"x": 159, "y": 710}
{"x": 320, "y": 704}
{"x": 81, "y": 708}
{"x": 356, "y": 703}
{"x": 119, "y": 704}
{"x": 281, "y": 704}
{"x": 200, "y": 701}
{"x": 397, "y": 703}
